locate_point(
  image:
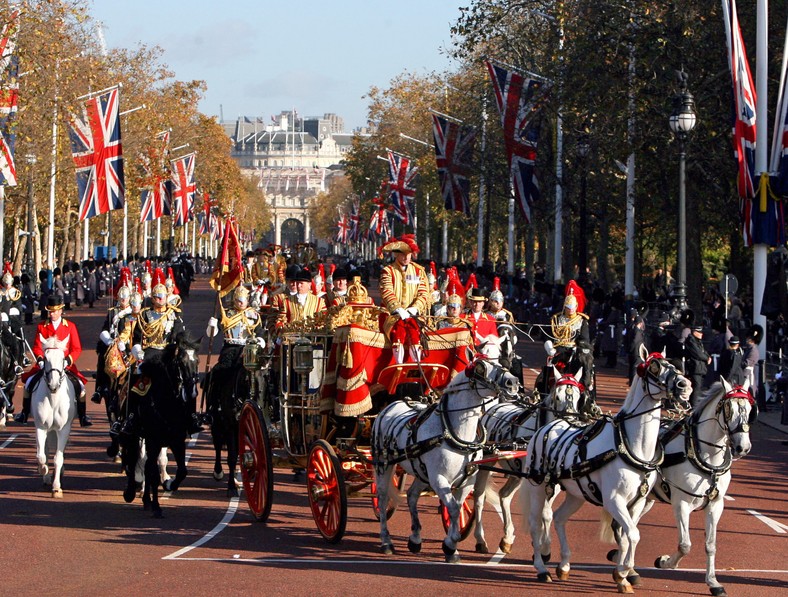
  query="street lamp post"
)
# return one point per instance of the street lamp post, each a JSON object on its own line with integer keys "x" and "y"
{"x": 682, "y": 121}
{"x": 583, "y": 149}
{"x": 31, "y": 160}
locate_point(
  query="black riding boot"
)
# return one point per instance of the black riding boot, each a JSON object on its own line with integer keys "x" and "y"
{"x": 25, "y": 412}
{"x": 84, "y": 421}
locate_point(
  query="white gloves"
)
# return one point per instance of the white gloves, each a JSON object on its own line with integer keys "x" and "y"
{"x": 4, "y": 316}
{"x": 403, "y": 314}
{"x": 261, "y": 342}
{"x": 414, "y": 311}
{"x": 122, "y": 346}
{"x": 137, "y": 352}
{"x": 212, "y": 328}
{"x": 13, "y": 311}
{"x": 548, "y": 348}
{"x": 105, "y": 337}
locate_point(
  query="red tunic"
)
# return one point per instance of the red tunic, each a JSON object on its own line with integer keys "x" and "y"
{"x": 65, "y": 331}
{"x": 482, "y": 329}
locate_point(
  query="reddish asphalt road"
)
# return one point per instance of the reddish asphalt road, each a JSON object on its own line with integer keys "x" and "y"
{"x": 91, "y": 542}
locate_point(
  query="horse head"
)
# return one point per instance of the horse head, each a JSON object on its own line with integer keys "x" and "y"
{"x": 188, "y": 362}
{"x": 661, "y": 375}
{"x": 54, "y": 361}
{"x": 736, "y": 411}
{"x": 564, "y": 398}
{"x": 490, "y": 378}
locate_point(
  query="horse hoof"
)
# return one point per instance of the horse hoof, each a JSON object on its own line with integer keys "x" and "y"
{"x": 660, "y": 561}
{"x": 718, "y": 592}
{"x": 625, "y": 588}
{"x": 387, "y": 549}
{"x": 505, "y": 546}
{"x": 561, "y": 574}
{"x": 57, "y": 493}
{"x": 218, "y": 476}
{"x": 634, "y": 580}
{"x": 167, "y": 485}
{"x": 452, "y": 556}
{"x": 414, "y": 547}
{"x": 232, "y": 491}
{"x": 544, "y": 577}
{"x": 47, "y": 480}
{"x": 612, "y": 555}
{"x": 128, "y": 494}
{"x": 482, "y": 548}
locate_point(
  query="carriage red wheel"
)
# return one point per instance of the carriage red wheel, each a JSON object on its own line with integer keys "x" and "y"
{"x": 399, "y": 480}
{"x": 467, "y": 517}
{"x": 254, "y": 451}
{"x": 326, "y": 489}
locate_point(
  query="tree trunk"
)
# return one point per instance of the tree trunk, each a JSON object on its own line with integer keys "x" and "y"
{"x": 604, "y": 248}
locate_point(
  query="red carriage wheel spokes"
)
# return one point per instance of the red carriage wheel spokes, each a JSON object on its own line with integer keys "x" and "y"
{"x": 326, "y": 489}
{"x": 399, "y": 481}
{"x": 467, "y": 514}
{"x": 254, "y": 450}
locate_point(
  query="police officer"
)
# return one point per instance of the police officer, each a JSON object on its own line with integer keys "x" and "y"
{"x": 696, "y": 361}
{"x": 731, "y": 360}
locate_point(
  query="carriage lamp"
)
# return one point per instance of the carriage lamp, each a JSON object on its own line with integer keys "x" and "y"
{"x": 303, "y": 362}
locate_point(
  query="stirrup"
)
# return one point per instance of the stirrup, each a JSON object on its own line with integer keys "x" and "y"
{"x": 18, "y": 370}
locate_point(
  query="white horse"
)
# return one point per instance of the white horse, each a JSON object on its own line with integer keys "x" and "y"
{"x": 514, "y": 423}
{"x": 611, "y": 463}
{"x": 436, "y": 444}
{"x": 696, "y": 472}
{"x": 54, "y": 407}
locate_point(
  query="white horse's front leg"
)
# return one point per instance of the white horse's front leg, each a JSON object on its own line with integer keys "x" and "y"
{"x": 565, "y": 511}
{"x": 453, "y": 504}
{"x": 41, "y": 454}
{"x": 713, "y": 515}
{"x": 62, "y": 442}
{"x": 414, "y": 540}
{"x": 479, "y": 497}
{"x": 681, "y": 512}
{"x": 162, "y": 461}
{"x": 537, "y": 498}
{"x": 629, "y": 539}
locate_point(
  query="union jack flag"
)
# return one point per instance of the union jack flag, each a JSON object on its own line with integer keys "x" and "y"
{"x": 216, "y": 227}
{"x": 379, "y": 223}
{"x": 98, "y": 155}
{"x": 183, "y": 188}
{"x": 156, "y": 200}
{"x": 402, "y": 192}
{"x": 9, "y": 96}
{"x": 453, "y": 151}
{"x": 344, "y": 229}
{"x": 780, "y": 151}
{"x": 517, "y": 98}
{"x": 762, "y": 217}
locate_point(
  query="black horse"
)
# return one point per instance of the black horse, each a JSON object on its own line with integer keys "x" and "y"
{"x": 162, "y": 416}
{"x": 8, "y": 376}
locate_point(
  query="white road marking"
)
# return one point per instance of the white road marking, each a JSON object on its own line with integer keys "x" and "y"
{"x": 8, "y": 441}
{"x": 729, "y": 498}
{"x": 773, "y": 524}
{"x": 228, "y": 516}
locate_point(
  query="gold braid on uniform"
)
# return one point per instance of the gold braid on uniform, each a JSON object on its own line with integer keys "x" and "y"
{"x": 229, "y": 322}
{"x": 153, "y": 332}
{"x": 563, "y": 332}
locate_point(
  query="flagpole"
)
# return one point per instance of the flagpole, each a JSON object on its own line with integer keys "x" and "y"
{"x": 761, "y": 147}
{"x": 86, "y": 240}
{"x": 52, "y": 180}
{"x": 125, "y": 231}
{"x": 145, "y": 237}
{"x": 158, "y": 235}
{"x": 482, "y": 190}
{"x": 95, "y": 93}
{"x": 2, "y": 222}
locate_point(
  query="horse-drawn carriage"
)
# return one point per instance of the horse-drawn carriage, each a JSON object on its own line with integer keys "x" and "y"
{"x": 331, "y": 375}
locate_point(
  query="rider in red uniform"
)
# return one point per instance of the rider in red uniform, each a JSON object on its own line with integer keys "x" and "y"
{"x": 63, "y": 330}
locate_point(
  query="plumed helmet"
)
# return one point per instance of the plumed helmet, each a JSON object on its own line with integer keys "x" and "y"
{"x": 124, "y": 293}
{"x": 570, "y": 302}
{"x": 146, "y": 278}
{"x": 241, "y": 293}
{"x": 7, "y": 279}
{"x": 136, "y": 300}
{"x": 159, "y": 290}
{"x": 496, "y": 294}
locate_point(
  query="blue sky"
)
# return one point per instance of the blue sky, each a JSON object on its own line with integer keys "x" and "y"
{"x": 260, "y": 57}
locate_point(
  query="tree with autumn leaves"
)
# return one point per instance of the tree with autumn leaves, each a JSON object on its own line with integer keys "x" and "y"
{"x": 598, "y": 54}
{"x": 60, "y": 59}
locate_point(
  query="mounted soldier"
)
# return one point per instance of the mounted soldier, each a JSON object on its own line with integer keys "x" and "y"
{"x": 64, "y": 331}
{"x": 109, "y": 331}
{"x": 157, "y": 327}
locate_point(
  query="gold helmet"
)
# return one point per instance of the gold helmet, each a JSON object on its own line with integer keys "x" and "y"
{"x": 570, "y": 302}
{"x": 159, "y": 291}
{"x": 241, "y": 294}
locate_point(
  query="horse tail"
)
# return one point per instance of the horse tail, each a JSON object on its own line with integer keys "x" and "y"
{"x": 606, "y": 527}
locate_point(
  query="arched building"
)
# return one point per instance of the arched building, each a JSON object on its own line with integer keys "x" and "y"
{"x": 293, "y": 160}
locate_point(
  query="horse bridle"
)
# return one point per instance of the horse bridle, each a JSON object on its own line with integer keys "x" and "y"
{"x": 656, "y": 369}
{"x": 737, "y": 394}
{"x": 48, "y": 369}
